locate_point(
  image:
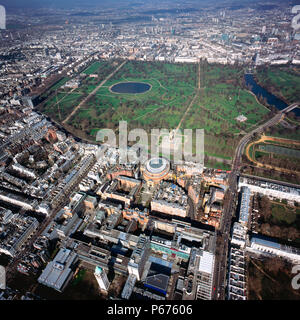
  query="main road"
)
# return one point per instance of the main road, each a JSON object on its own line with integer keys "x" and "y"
{"x": 220, "y": 272}
{"x": 11, "y": 267}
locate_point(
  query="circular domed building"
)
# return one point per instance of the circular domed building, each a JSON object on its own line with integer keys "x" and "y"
{"x": 156, "y": 169}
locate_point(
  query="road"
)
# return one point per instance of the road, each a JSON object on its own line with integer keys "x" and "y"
{"x": 220, "y": 272}
{"x": 11, "y": 268}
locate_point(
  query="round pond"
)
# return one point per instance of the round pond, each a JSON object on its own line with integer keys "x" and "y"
{"x": 130, "y": 87}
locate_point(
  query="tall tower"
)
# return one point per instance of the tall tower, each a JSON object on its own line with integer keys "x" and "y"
{"x": 139, "y": 257}
{"x": 101, "y": 278}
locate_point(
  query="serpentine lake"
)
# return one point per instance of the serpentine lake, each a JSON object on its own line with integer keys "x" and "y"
{"x": 260, "y": 92}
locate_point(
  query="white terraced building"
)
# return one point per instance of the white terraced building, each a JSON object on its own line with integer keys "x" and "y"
{"x": 274, "y": 190}
{"x": 205, "y": 275}
{"x": 264, "y": 245}
{"x": 239, "y": 234}
{"x": 237, "y": 288}
{"x": 237, "y": 275}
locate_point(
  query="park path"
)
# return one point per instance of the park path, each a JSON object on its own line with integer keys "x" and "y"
{"x": 93, "y": 92}
{"x": 262, "y": 271}
{"x": 191, "y": 103}
{"x": 58, "y": 101}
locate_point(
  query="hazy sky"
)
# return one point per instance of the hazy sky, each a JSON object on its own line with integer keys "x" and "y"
{"x": 52, "y": 3}
{"x": 99, "y": 3}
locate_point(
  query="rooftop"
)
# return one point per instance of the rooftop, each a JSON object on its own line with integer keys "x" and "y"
{"x": 58, "y": 271}
{"x": 206, "y": 262}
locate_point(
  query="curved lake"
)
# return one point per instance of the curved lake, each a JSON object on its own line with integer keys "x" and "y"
{"x": 260, "y": 92}
{"x": 270, "y": 98}
{"x": 130, "y": 87}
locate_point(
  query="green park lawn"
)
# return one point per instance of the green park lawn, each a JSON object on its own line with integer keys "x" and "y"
{"x": 92, "y": 68}
{"x": 172, "y": 87}
{"x": 281, "y": 81}
{"x": 284, "y": 214}
{"x": 221, "y": 99}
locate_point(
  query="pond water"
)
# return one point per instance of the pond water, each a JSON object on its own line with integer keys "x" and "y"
{"x": 261, "y": 92}
{"x": 130, "y": 87}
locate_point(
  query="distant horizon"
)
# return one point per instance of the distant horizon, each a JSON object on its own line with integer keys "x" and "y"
{"x": 68, "y": 4}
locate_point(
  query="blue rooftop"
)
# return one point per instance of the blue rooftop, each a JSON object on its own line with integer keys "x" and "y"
{"x": 98, "y": 270}
{"x": 265, "y": 241}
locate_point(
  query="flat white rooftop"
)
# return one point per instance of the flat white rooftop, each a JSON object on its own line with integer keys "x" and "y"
{"x": 206, "y": 262}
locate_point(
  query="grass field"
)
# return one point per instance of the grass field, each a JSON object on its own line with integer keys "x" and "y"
{"x": 172, "y": 87}
{"x": 59, "y": 83}
{"x": 92, "y": 68}
{"x": 270, "y": 279}
{"x": 218, "y": 107}
{"x": 217, "y": 165}
{"x": 221, "y": 99}
{"x": 62, "y": 104}
{"x": 63, "y": 100}
{"x": 284, "y": 214}
{"x": 281, "y": 81}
